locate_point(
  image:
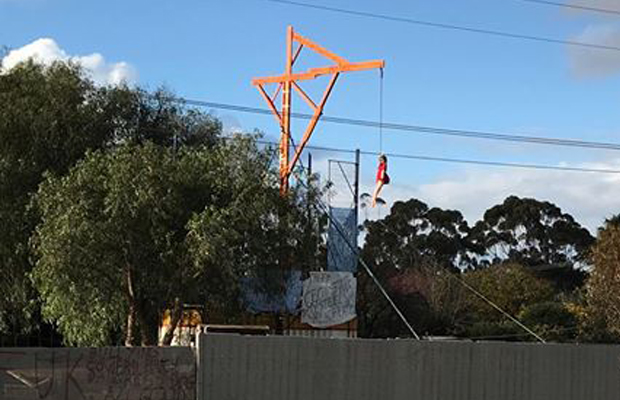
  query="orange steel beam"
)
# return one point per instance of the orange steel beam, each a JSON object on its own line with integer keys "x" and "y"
{"x": 313, "y": 73}
{"x": 286, "y": 113}
{"x": 288, "y": 81}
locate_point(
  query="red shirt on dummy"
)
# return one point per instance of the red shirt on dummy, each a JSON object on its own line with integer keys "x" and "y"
{"x": 382, "y": 175}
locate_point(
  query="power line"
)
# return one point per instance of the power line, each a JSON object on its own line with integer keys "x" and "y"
{"x": 498, "y": 163}
{"x": 419, "y": 128}
{"x": 440, "y": 25}
{"x": 481, "y": 135}
{"x": 460, "y": 160}
{"x": 575, "y": 6}
{"x": 448, "y": 160}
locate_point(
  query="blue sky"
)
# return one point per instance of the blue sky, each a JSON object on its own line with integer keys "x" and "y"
{"x": 211, "y": 51}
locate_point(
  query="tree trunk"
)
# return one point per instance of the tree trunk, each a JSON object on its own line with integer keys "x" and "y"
{"x": 132, "y": 313}
{"x": 177, "y": 313}
{"x": 131, "y": 324}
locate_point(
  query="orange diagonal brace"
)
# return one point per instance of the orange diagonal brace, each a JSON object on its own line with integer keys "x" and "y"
{"x": 299, "y": 49}
{"x": 275, "y": 93}
{"x": 272, "y": 106}
{"x": 319, "y": 49}
{"x": 315, "y": 119}
{"x": 288, "y": 81}
{"x": 304, "y": 96}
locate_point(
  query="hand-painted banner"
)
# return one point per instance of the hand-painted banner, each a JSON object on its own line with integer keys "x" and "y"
{"x": 328, "y": 299}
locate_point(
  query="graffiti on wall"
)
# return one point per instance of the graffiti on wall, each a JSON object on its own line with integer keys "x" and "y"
{"x": 148, "y": 373}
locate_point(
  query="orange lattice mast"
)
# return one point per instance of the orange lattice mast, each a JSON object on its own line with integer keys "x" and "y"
{"x": 289, "y": 80}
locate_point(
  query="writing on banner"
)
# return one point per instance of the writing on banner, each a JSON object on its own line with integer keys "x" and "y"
{"x": 328, "y": 299}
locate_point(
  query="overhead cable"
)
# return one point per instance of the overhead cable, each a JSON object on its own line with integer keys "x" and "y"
{"x": 442, "y": 25}
{"x": 575, "y": 6}
{"x": 421, "y": 129}
{"x": 460, "y": 160}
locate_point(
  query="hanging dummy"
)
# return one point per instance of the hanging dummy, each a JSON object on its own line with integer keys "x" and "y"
{"x": 382, "y": 178}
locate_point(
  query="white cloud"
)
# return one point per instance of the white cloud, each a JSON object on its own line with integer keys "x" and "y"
{"x": 591, "y": 62}
{"x": 230, "y": 124}
{"x": 602, "y": 4}
{"x": 588, "y": 197}
{"x": 46, "y": 51}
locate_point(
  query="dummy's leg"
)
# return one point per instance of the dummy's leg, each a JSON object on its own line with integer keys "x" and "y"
{"x": 376, "y": 193}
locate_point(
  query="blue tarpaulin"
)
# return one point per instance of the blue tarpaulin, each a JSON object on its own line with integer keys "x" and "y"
{"x": 342, "y": 229}
{"x": 258, "y": 299}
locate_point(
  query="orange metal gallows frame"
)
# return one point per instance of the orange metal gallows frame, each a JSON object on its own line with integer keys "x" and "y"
{"x": 288, "y": 81}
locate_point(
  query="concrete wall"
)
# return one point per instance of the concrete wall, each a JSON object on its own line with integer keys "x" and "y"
{"x": 286, "y": 368}
{"x": 97, "y": 374}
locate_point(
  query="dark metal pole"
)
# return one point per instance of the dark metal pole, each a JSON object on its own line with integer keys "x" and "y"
{"x": 357, "y": 188}
{"x": 308, "y": 200}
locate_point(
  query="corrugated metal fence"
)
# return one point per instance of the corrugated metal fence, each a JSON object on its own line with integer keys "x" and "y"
{"x": 287, "y": 368}
{"x": 229, "y": 367}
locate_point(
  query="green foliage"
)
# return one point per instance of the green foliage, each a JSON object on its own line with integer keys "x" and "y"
{"x": 532, "y": 233}
{"x": 413, "y": 237}
{"x": 50, "y": 117}
{"x": 412, "y": 233}
{"x": 603, "y": 287}
{"x": 127, "y": 233}
{"x": 111, "y": 235}
{"x": 410, "y": 249}
{"x": 511, "y": 287}
{"x": 258, "y": 234}
{"x": 611, "y": 222}
{"x": 140, "y": 205}
{"x": 157, "y": 117}
{"x": 430, "y": 297}
{"x": 552, "y": 320}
